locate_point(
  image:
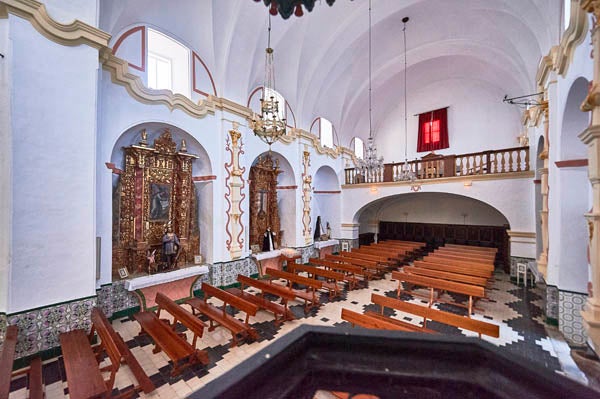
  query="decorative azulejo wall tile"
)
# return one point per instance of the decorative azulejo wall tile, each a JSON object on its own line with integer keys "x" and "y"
{"x": 39, "y": 328}
{"x": 114, "y": 298}
{"x": 570, "y": 322}
{"x": 3, "y": 324}
{"x": 552, "y": 302}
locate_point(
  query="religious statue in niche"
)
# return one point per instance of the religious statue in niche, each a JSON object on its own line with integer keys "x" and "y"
{"x": 320, "y": 233}
{"x": 269, "y": 243}
{"x": 160, "y": 198}
{"x": 171, "y": 247}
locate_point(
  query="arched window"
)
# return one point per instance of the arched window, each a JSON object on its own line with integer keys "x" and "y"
{"x": 168, "y": 64}
{"x": 566, "y": 13}
{"x": 324, "y": 129}
{"x": 359, "y": 147}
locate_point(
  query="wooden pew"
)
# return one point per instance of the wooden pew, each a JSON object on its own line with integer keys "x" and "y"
{"x": 221, "y": 317}
{"x": 113, "y": 343}
{"x": 472, "y": 248}
{"x": 433, "y": 284}
{"x": 349, "y": 271}
{"x": 84, "y": 377}
{"x": 277, "y": 309}
{"x": 480, "y": 327}
{"x": 391, "y": 258}
{"x": 309, "y": 296}
{"x": 358, "y": 253}
{"x": 370, "y": 269}
{"x": 444, "y": 275}
{"x": 483, "y": 256}
{"x": 459, "y": 262}
{"x": 190, "y": 321}
{"x": 448, "y": 267}
{"x": 7, "y": 356}
{"x": 369, "y": 321}
{"x": 34, "y": 371}
{"x": 330, "y": 278}
{"x": 175, "y": 347}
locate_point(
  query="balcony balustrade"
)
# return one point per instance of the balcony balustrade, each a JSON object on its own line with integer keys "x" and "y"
{"x": 434, "y": 166}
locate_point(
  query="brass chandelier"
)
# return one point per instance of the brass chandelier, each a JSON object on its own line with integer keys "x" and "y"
{"x": 269, "y": 126}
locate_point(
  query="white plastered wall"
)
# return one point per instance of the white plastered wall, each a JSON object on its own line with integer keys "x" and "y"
{"x": 53, "y": 110}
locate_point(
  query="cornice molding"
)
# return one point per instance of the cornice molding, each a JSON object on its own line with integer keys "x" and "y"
{"x": 520, "y": 234}
{"x": 73, "y": 34}
{"x": 79, "y": 32}
{"x": 559, "y": 57}
{"x": 119, "y": 72}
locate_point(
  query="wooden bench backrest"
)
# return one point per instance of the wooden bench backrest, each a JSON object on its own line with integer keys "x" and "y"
{"x": 485, "y": 256}
{"x": 463, "y": 262}
{"x": 459, "y": 288}
{"x": 472, "y": 248}
{"x": 347, "y": 267}
{"x": 108, "y": 340}
{"x": 461, "y": 278}
{"x": 179, "y": 313}
{"x": 316, "y": 284}
{"x": 354, "y": 258}
{"x": 390, "y": 252}
{"x": 383, "y": 256}
{"x": 365, "y": 321}
{"x": 318, "y": 272}
{"x": 396, "y": 245}
{"x": 229, "y": 299}
{"x": 452, "y": 319}
{"x": 266, "y": 287}
{"x": 356, "y": 253}
{"x": 448, "y": 267}
{"x": 7, "y": 357}
{"x": 401, "y": 242}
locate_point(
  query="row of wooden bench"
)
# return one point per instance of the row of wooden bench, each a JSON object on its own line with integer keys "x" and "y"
{"x": 33, "y": 371}
{"x": 371, "y": 319}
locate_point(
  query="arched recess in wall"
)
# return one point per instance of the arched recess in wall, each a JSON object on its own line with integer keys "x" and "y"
{"x": 437, "y": 218}
{"x": 573, "y": 182}
{"x": 133, "y": 46}
{"x": 539, "y": 164}
{"x": 286, "y": 197}
{"x": 325, "y": 131}
{"x": 189, "y": 193}
{"x": 254, "y": 104}
{"x": 326, "y": 200}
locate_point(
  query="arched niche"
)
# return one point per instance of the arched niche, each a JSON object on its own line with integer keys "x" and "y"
{"x": 326, "y": 201}
{"x": 158, "y": 163}
{"x": 272, "y": 199}
{"x": 437, "y": 218}
{"x": 573, "y": 182}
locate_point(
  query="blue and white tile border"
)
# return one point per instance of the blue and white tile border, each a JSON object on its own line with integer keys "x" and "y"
{"x": 570, "y": 322}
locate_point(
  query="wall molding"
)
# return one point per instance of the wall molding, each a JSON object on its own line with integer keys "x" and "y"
{"x": 73, "y": 34}
{"x": 571, "y": 163}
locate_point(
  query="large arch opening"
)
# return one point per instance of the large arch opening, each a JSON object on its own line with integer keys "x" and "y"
{"x": 570, "y": 237}
{"x": 437, "y": 218}
{"x": 162, "y": 180}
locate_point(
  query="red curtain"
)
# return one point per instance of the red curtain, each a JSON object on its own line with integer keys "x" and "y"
{"x": 433, "y": 130}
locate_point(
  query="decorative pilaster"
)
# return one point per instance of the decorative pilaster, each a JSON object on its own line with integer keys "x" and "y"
{"x": 542, "y": 262}
{"x": 235, "y": 185}
{"x": 591, "y": 137}
{"x": 306, "y": 189}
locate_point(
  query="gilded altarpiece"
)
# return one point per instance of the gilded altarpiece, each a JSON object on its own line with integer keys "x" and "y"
{"x": 155, "y": 190}
{"x": 264, "y": 211}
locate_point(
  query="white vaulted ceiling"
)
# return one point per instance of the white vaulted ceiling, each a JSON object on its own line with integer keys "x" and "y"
{"x": 488, "y": 47}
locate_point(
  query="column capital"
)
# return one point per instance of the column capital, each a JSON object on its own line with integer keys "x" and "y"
{"x": 591, "y": 6}
{"x": 591, "y": 133}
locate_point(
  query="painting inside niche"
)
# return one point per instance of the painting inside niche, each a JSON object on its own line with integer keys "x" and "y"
{"x": 160, "y": 201}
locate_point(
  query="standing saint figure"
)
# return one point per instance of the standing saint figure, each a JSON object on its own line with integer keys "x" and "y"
{"x": 268, "y": 240}
{"x": 170, "y": 246}
{"x": 318, "y": 230}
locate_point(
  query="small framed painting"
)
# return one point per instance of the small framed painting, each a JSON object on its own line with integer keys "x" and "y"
{"x": 123, "y": 273}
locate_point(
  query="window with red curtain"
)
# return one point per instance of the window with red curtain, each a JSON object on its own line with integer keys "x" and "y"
{"x": 433, "y": 130}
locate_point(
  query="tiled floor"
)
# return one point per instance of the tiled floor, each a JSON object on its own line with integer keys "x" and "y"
{"x": 517, "y": 310}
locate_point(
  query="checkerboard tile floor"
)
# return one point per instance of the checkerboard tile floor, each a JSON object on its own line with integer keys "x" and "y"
{"x": 517, "y": 310}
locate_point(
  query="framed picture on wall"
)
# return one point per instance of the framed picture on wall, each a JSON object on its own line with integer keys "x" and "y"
{"x": 123, "y": 273}
{"x": 160, "y": 201}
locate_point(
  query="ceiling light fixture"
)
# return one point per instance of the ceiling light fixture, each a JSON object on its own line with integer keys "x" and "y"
{"x": 371, "y": 166}
{"x": 269, "y": 126}
{"x": 287, "y": 7}
{"x": 406, "y": 173}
